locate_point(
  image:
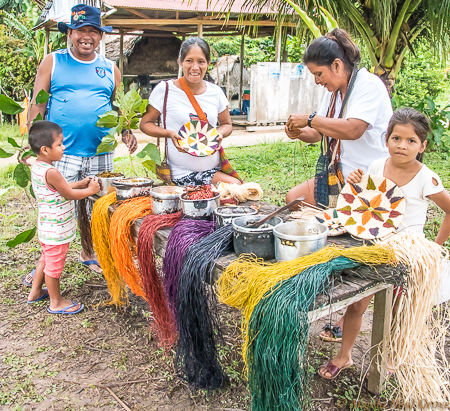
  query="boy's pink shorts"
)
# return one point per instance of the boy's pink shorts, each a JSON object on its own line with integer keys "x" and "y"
{"x": 54, "y": 258}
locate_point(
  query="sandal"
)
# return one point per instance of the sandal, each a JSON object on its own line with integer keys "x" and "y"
{"x": 24, "y": 280}
{"x": 333, "y": 329}
{"x": 334, "y": 370}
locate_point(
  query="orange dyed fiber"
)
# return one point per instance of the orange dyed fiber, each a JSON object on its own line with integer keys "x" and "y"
{"x": 102, "y": 245}
{"x": 123, "y": 245}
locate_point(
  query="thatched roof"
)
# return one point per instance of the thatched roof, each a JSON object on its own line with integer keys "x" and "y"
{"x": 112, "y": 48}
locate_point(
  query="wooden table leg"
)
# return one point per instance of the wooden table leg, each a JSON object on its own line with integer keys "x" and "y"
{"x": 380, "y": 331}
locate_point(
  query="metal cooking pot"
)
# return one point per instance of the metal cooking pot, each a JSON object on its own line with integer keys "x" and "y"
{"x": 259, "y": 241}
{"x": 295, "y": 239}
{"x": 106, "y": 184}
{"x": 200, "y": 209}
{"x": 224, "y": 215}
{"x": 166, "y": 199}
{"x": 131, "y": 187}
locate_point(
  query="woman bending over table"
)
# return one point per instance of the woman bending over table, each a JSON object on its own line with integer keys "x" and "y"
{"x": 186, "y": 169}
{"x": 355, "y": 131}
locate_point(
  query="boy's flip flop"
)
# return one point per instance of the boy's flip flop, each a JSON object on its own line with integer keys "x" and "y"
{"x": 33, "y": 271}
{"x": 87, "y": 263}
{"x": 40, "y": 298}
{"x": 64, "y": 310}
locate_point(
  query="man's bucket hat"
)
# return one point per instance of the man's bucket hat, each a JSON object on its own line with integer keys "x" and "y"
{"x": 83, "y": 15}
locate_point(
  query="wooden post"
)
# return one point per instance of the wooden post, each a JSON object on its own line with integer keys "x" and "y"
{"x": 47, "y": 37}
{"x": 121, "y": 53}
{"x": 382, "y": 312}
{"x": 200, "y": 30}
{"x": 278, "y": 43}
{"x": 228, "y": 81}
{"x": 103, "y": 45}
{"x": 241, "y": 72}
{"x": 180, "y": 69}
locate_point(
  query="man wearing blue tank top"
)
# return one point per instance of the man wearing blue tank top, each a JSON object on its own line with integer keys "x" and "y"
{"x": 81, "y": 84}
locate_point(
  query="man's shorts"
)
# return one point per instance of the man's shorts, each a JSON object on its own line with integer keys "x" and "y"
{"x": 74, "y": 168}
{"x": 54, "y": 258}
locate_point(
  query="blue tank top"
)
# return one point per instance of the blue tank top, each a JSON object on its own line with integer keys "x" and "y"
{"x": 80, "y": 92}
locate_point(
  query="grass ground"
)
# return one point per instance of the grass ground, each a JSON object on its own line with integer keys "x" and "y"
{"x": 80, "y": 362}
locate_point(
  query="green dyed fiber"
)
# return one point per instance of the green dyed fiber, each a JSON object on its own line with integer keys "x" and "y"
{"x": 278, "y": 331}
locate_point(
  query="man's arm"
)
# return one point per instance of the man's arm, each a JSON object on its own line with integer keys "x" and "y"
{"x": 42, "y": 82}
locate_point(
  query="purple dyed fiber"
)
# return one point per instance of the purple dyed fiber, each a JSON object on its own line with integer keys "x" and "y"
{"x": 183, "y": 235}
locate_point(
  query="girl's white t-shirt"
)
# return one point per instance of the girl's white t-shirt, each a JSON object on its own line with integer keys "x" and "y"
{"x": 179, "y": 111}
{"x": 416, "y": 194}
{"x": 369, "y": 101}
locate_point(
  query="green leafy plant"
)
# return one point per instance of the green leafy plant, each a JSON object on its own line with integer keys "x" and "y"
{"x": 130, "y": 104}
{"x": 21, "y": 173}
{"x": 439, "y": 121}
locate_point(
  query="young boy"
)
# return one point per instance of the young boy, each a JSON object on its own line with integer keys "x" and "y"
{"x": 56, "y": 222}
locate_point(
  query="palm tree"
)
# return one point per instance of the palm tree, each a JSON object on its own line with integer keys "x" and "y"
{"x": 388, "y": 28}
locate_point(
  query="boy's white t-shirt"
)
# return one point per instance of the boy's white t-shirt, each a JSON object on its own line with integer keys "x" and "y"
{"x": 416, "y": 194}
{"x": 369, "y": 101}
{"x": 179, "y": 111}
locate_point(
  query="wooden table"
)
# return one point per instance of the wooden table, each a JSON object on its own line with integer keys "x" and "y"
{"x": 350, "y": 289}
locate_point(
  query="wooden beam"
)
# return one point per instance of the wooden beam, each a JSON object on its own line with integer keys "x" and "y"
{"x": 241, "y": 71}
{"x": 138, "y": 13}
{"x": 47, "y": 37}
{"x": 278, "y": 37}
{"x": 187, "y": 22}
{"x": 382, "y": 312}
{"x": 121, "y": 54}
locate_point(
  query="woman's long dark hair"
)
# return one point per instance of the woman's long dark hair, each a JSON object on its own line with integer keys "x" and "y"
{"x": 336, "y": 44}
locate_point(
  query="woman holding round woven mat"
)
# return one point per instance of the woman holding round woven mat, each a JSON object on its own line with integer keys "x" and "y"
{"x": 190, "y": 109}
{"x": 350, "y": 123}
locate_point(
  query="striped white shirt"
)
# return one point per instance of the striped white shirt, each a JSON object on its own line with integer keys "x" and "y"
{"x": 56, "y": 221}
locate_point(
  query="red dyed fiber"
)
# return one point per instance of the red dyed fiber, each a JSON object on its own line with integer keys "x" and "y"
{"x": 199, "y": 193}
{"x": 164, "y": 325}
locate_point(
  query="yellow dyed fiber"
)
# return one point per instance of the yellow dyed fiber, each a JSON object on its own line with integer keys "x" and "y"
{"x": 102, "y": 245}
{"x": 245, "y": 282}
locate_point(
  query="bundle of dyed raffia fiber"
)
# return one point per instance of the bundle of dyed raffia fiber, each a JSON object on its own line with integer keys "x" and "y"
{"x": 415, "y": 348}
{"x": 153, "y": 287}
{"x": 197, "y": 320}
{"x": 241, "y": 192}
{"x": 278, "y": 331}
{"x": 85, "y": 226}
{"x": 102, "y": 245}
{"x": 247, "y": 280}
{"x": 123, "y": 246}
{"x": 184, "y": 234}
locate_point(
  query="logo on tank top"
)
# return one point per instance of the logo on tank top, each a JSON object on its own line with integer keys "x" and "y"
{"x": 100, "y": 72}
{"x": 194, "y": 117}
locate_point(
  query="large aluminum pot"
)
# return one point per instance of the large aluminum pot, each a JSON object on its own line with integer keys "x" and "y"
{"x": 200, "y": 209}
{"x": 131, "y": 187}
{"x": 259, "y": 241}
{"x": 106, "y": 183}
{"x": 295, "y": 239}
{"x": 224, "y": 215}
{"x": 166, "y": 199}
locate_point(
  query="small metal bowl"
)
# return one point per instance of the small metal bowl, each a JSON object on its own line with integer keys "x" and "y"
{"x": 132, "y": 187}
{"x": 166, "y": 199}
{"x": 295, "y": 239}
{"x": 224, "y": 215}
{"x": 200, "y": 209}
{"x": 106, "y": 183}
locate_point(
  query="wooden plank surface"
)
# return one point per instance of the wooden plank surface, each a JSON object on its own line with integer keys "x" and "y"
{"x": 350, "y": 287}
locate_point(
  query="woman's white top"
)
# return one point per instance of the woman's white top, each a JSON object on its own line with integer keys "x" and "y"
{"x": 416, "y": 194}
{"x": 369, "y": 101}
{"x": 179, "y": 111}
